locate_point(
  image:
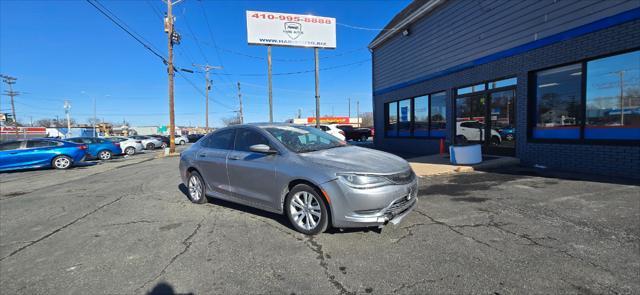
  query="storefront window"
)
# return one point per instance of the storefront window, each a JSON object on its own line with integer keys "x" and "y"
{"x": 613, "y": 97}
{"x": 503, "y": 83}
{"x": 421, "y": 105}
{"x": 392, "y": 119}
{"x": 438, "y": 115}
{"x": 471, "y": 89}
{"x": 558, "y": 103}
{"x": 404, "y": 122}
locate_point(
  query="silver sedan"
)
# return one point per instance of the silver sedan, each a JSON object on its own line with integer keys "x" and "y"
{"x": 313, "y": 178}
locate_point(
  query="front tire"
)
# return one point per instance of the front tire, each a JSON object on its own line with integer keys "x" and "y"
{"x": 105, "y": 155}
{"x": 151, "y": 146}
{"x": 130, "y": 151}
{"x": 182, "y": 142}
{"x": 307, "y": 210}
{"x": 164, "y": 145}
{"x": 196, "y": 188}
{"x": 61, "y": 162}
{"x": 363, "y": 138}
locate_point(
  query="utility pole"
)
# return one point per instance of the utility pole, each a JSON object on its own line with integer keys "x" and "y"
{"x": 358, "y": 112}
{"x": 240, "y": 99}
{"x": 172, "y": 37}
{"x": 10, "y": 81}
{"x": 270, "y": 84}
{"x": 67, "y": 111}
{"x": 317, "y": 62}
{"x": 206, "y": 69}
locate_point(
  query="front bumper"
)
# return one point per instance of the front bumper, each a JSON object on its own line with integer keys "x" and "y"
{"x": 371, "y": 207}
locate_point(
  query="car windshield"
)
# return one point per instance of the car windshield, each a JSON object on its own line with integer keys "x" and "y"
{"x": 302, "y": 139}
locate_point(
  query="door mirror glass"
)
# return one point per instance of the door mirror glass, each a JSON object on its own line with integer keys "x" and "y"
{"x": 261, "y": 148}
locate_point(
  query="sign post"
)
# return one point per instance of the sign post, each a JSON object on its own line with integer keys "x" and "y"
{"x": 292, "y": 30}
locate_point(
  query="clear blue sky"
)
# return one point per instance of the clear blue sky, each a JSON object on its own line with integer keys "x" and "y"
{"x": 57, "y": 49}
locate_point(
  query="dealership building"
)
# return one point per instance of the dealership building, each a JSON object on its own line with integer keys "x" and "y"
{"x": 555, "y": 83}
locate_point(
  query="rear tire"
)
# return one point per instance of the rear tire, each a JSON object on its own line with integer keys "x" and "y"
{"x": 363, "y": 138}
{"x": 130, "y": 151}
{"x": 61, "y": 162}
{"x": 196, "y": 188}
{"x": 105, "y": 155}
{"x": 164, "y": 145}
{"x": 306, "y": 210}
{"x": 151, "y": 146}
{"x": 182, "y": 142}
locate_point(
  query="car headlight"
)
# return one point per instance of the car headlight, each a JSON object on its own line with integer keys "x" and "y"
{"x": 363, "y": 181}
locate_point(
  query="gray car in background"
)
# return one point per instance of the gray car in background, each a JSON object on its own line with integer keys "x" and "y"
{"x": 313, "y": 178}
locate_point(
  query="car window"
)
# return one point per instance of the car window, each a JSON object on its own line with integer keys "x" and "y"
{"x": 302, "y": 139}
{"x": 98, "y": 140}
{"x": 220, "y": 140}
{"x": 41, "y": 143}
{"x": 245, "y": 138}
{"x": 10, "y": 145}
{"x": 76, "y": 140}
{"x": 466, "y": 124}
{"x": 324, "y": 128}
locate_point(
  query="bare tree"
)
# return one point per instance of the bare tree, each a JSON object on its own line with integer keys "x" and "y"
{"x": 367, "y": 119}
{"x": 229, "y": 121}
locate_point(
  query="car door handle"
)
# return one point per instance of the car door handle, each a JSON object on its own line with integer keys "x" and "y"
{"x": 234, "y": 157}
{"x": 202, "y": 155}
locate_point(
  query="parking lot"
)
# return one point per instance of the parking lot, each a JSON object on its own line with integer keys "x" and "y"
{"x": 125, "y": 226}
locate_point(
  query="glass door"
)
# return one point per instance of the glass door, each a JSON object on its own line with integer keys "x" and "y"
{"x": 471, "y": 112}
{"x": 501, "y": 135}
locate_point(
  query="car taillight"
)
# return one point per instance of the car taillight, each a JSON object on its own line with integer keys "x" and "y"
{"x": 117, "y": 144}
{"x": 83, "y": 147}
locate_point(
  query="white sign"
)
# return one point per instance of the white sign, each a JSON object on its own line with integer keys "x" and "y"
{"x": 283, "y": 29}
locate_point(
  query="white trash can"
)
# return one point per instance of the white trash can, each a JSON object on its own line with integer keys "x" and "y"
{"x": 465, "y": 155}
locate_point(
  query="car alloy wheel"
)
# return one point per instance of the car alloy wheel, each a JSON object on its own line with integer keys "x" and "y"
{"x": 305, "y": 210}
{"x": 150, "y": 146}
{"x": 104, "y": 155}
{"x": 130, "y": 151}
{"x": 195, "y": 186}
{"x": 363, "y": 138}
{"x": 61, "y": 162}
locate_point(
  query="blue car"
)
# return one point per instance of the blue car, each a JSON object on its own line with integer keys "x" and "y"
{"x": 99, "y": 148}
{"x": 40, "y": 153}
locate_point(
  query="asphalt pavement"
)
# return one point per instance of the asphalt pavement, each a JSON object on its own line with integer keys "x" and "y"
{"x": 126, "y": 227}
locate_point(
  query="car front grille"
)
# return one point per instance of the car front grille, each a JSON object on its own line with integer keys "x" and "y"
{"x": 402, "y": 177}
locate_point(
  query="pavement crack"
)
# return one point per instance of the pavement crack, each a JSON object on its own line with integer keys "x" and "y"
{"x": 187, "y": 244}
{"x": 60, "y": 229}
{"x": 413, "y": 284}
{"x": 132, "y": 222}
{"x": 317, "y": 248}
{"x": 409, "y": 231}
{"x": 453, "y": 228}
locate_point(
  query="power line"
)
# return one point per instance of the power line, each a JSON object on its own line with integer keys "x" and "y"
{"x": 148, "y": 47}
{"x": 365, "y": 28}
{"x": 300, "y": 72}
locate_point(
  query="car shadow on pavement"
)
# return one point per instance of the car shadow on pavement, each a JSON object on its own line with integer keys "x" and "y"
{"x": 280, "y": 218}
{"x": 519, "y": 171}
{"x": 164, "y": 288}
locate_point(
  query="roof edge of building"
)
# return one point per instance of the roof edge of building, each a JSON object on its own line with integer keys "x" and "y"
{"x": 403, "y": 19}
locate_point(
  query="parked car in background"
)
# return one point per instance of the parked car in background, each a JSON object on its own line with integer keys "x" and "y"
{"x": 472, "y": 130}
{"x": 508, "y": 133}
{"x": 194, "y": 137}
{"x": 313, "y": 178}
{"x": 333, "y": 130}
{"x": 150, "y": 142}
{"x": 181, "y": 139}
{"x": 129, "y": 146}
{"x": 352, "y": 133}
{"x": 98, "y": 148}
{"x": 40, "y": 153}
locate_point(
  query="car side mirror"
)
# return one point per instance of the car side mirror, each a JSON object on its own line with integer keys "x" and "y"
{"x": 262, "y": 148}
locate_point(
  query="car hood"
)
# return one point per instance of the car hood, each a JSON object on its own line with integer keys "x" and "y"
{"x": 356, "y": 159}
